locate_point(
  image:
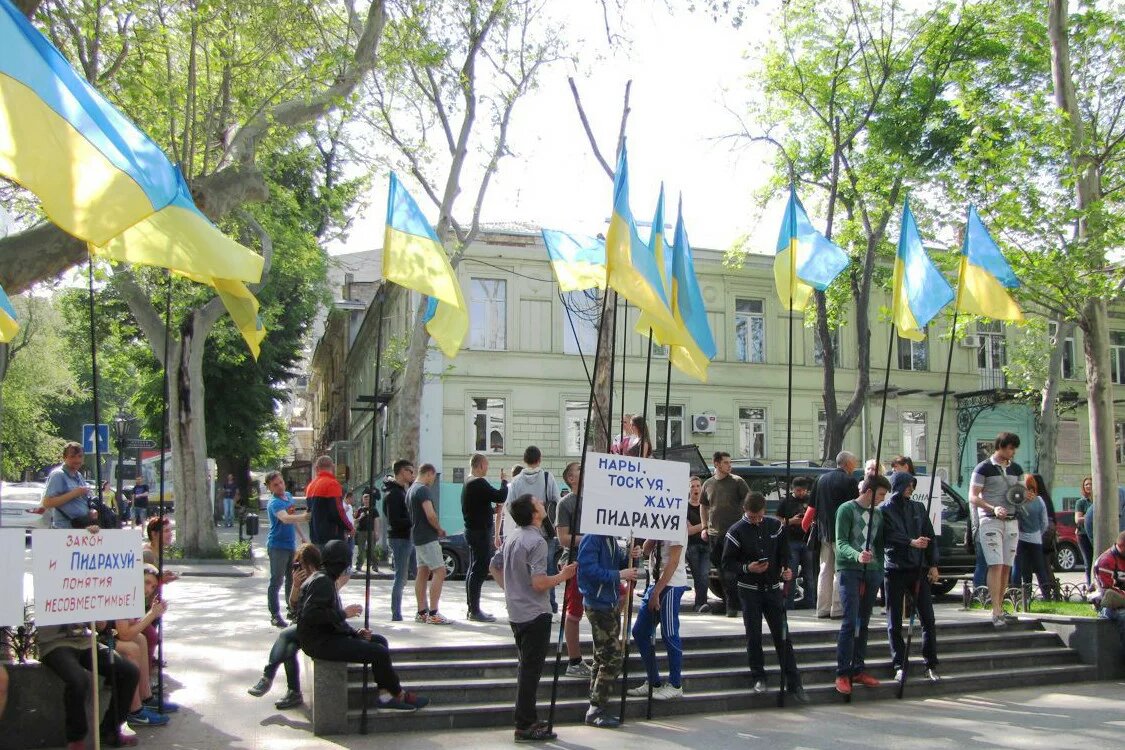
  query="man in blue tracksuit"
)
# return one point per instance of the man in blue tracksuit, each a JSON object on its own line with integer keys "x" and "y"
{"x": 909, "y": 546}
{"x": 602, "y": 566}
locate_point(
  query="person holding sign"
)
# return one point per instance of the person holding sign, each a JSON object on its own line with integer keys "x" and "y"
{"x": 67, "y": 493}
{"x": 662, "y": 602}
{"x": 909, "y": 547}
{"x": 66, "y": 651}
{"x": 756, "y": 556}
{"x": 723, "y": 496}
{"x": 602, "y": 566}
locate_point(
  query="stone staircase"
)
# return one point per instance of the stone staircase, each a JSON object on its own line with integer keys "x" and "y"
{"x": 475, "y": 686}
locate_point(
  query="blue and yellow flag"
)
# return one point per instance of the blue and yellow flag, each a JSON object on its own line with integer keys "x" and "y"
{"x": 9, "y": 324}
{"x": 662, "y": 334}
{"x": 695, "y": 351}
{"x": 985, "y": 277}
{"x": 919, "y": 291}
{"x": 96, "y": 174}
{"x": 414, "y": 257}
{"x": 632, "y": 269}
{"x": 806, "y": 259}
{"x": 578, "y": 260}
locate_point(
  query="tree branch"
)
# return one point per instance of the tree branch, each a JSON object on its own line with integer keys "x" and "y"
{"x": 586, "y": 127}
{"x": 140, "y": 302}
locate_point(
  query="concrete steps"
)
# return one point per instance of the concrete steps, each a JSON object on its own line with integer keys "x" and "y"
{"x": 475, "y": 687}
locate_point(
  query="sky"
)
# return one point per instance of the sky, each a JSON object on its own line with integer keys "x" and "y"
{"x": 689, "y": 76}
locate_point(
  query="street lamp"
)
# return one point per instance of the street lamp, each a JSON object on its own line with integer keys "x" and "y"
{"x": 122, "y": 426}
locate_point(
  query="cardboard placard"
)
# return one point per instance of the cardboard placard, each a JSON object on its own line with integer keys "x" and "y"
{"x": 11, "y": 576}
{"x": 82, "y": 577}
{"x": 645, "y": 497}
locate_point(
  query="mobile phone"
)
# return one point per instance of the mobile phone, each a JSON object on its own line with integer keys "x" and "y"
{"x": 763, "y": 559}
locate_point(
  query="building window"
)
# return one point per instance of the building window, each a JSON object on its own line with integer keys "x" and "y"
{"x": 670, "y": 431}
{"x": 574, "y": 421}
{"x": 1117, "y": 356}
{"x": 752, "y": 433}
{"x": 488, "y": 425}
{"x": 750, "y": 330}
{"x": 818, "y": 350}
{"x": 914, "y": 435}
{"x": 488, "y": 314}
{"x": 992, "y": 354}
{"x": 821, "y": 430}
{"x": 914, "y": 355}
{"x": 580, "y": 322}
{"x": 1068, "y": 352}
{"x": 1119, "y": 441}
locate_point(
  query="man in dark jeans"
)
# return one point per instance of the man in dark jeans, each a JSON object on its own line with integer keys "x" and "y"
{"x": 791, "y": 511}
{"x": 526, "y": 586}
{"x": 65, "y": 650}
{"x": 480, "y": 504}
{"x": 398, "y": 531}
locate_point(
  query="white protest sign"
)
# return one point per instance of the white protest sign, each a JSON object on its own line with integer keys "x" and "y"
{"x": 11, "y": 576}
{"x": 645, "y": 497}
{"x": 922, "y": 493}
{"x": 81, "y": 577}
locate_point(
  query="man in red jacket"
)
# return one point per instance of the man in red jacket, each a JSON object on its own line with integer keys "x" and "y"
{"x": 325, "y": 498}
{"x": 1109, "y": 572}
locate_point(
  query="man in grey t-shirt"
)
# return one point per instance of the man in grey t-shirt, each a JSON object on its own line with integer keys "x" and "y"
{"x": 526, "y": 587}
{"x": 425, "y": 530}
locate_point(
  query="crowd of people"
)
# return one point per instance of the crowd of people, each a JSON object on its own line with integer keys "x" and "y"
{"x": 844, "y": 538}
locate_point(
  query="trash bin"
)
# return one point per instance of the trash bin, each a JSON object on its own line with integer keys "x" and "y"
{"x": 250, "y": 522}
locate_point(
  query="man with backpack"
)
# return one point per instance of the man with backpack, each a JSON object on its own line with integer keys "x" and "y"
{"x": 537, "y": 481}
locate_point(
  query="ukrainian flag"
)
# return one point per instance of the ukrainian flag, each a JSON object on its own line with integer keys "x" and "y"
{"x": 696, "y": 350}
{"x": 9, "y": 325}
{"x": 805, "y": 260}
{"x": 96, "y": 174}
{"x": 919, "y": 291}
{"x": 578, "y": 261}
{"x": 414, "y": 257}
{"x": 661, "y": 333}
{"x": 985, "y": 277}
{"x": 632, "y": 268}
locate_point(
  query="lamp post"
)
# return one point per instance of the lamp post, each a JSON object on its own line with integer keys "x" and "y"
{"x": 122, "y": 424}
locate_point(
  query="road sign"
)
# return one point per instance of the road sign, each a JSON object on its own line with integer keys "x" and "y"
{"x": 88, "y": 438}
{"x": 135, "y": 444}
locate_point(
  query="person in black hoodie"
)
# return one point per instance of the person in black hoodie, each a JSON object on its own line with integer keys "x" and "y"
{"x": 481, "y": 506}
{"x": 324, "y": 633}
{"x": 398, "y": 531}
{"x": 910, "y": 546}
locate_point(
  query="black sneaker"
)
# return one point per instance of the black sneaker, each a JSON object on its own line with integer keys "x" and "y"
{"x": 262, "y": 687}
{"x": 291, "y": 699}
{"x": 277, "y": 622}
{"x": 481, "y": 617}
{"x": 599, "y": 717}
{"x": 535, "y": 733}
{"x": 798, "y": 694}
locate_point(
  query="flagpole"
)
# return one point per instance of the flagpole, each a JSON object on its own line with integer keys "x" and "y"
{"x": 624, "y": 353}
{"x": 933, "y": 467}
{"x": 371, "y": 491}
{"x": 578, "y": 504}
{"x": 883, "y": 408}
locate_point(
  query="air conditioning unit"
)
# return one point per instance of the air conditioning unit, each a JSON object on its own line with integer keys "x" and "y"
{"x": 704, "y": 424}
{"x": 971, "y": 341}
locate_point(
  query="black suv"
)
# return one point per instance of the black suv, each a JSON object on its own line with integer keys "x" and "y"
{"x": 958, "y": 555}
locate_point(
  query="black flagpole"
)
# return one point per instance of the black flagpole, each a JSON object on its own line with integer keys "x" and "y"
{"x": 163, "y": 443}
{"x": 578, "y": 504}
{"x": 624, "y": 352}
{"x": 883, "y": 408}
{"x": 370, "y": 531}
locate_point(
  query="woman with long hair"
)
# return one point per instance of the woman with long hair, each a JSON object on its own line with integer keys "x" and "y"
{"x": 642, "y": 446}
{"x": 1084, "y": 521}
{"x": 1033, "y": 520}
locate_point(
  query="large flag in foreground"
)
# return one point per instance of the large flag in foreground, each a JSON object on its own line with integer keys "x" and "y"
{"x": 806, "y": 259}
{"x": 631, "y": 267}
{"x": 695, "y": 351}
{"x": 97, "y": 175}
{"x": 919, "y": 291}
{"x": 9, "y": 326}
{"x": 986, "y": 278}
{"x": 662, "y": 333}
{"x": 414, "y": 257}
{"x": 577, "y": 260}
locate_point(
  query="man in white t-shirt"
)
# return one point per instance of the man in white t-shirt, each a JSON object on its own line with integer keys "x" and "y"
{"x": 661, "y": 603}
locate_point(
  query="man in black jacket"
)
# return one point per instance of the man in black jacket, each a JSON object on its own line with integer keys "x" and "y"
{"x": 756, "y": 556}
{"x": 324, "y": 633}
{"x": 398, "y": 531}
{"x": 481, "y": 506}
{"x": 832, "y": 490}
{"x": 908, "y": 538}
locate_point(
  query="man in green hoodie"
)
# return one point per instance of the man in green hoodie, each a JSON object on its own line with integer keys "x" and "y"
{"x": 859, "y": 563}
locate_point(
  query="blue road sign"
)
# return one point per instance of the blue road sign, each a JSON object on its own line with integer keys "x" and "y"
{"x": 88, "y": 438}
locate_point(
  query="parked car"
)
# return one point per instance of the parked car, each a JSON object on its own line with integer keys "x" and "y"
{"x": 958, "y": 555}
{"x": 455, "y": 553}
{"x": 18, "y": 503}
{"x": 1067, "y": 555}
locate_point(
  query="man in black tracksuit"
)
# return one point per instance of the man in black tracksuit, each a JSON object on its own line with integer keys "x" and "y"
{"x": 398, "y": 531}
{"x": 481, "y": 506}
{"x": 908, "y": 538}
{"x": 756, "y": 555}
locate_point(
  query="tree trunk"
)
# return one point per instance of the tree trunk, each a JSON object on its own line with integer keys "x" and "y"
{"x": 603, "y": 427}
{"x": 195, "y": 518}
{"x": 1047, "y": 420}
{"x": 408, "y": 399}
{"x": 1095, "y": 315}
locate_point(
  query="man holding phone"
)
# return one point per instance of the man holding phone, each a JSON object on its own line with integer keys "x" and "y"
{"x": 756, "y": 557}
{"x": 281, "y": 542}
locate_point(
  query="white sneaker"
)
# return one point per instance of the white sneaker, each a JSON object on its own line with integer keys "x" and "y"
{"x": 641, "y": 691}
{"x": 581, "y": 669}
{"x": 899, "y": 675}
{"x": 668, "y": 692}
